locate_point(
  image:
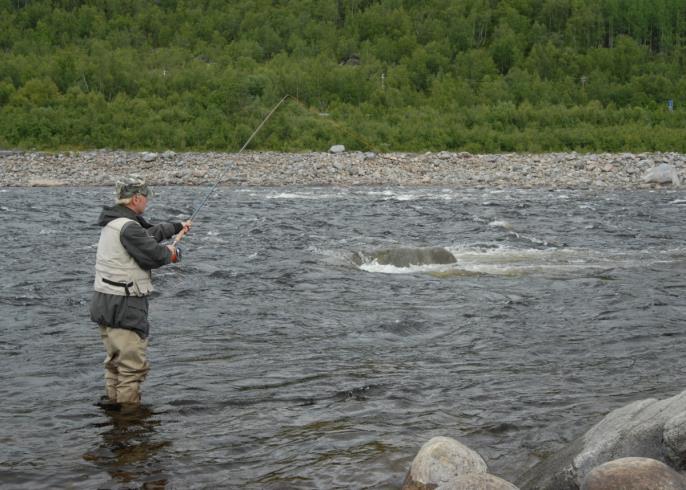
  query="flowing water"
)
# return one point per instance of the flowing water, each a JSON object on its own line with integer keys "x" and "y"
{"x": 277, "y": 362}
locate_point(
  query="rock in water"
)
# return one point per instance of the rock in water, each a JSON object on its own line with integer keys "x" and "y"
{"x": 405, "y": 257}
{"x": 633, "y": 474}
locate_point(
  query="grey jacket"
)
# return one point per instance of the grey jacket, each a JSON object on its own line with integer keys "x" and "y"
{"x": 142, "y": 243}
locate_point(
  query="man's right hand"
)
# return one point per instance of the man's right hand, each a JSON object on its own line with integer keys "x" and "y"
{"x": 175, "y": 253}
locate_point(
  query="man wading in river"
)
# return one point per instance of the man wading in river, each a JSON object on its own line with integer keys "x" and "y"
{"x": 128, "y": 249}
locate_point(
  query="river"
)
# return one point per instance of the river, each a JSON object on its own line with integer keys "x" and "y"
{"x": 278, "y": 362}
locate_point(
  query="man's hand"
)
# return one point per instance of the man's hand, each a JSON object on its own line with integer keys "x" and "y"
{"x": 186, "y": 225}
{"x": 175, "y": 253}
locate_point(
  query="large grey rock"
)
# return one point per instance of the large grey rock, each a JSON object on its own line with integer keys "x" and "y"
{"x": 633, "y": 474}
{"x": 663, "y": 174}
{"x": 674, "y": 438}
{"x": 439, "y": 462}
{"x": 645, "y": 428}
{"x": 407, "y": 256}
{"x": 337, "y": 149}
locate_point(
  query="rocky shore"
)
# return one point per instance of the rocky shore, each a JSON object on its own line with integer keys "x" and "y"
{"x": 339, "y": 167}
{"x": 640, "y": 446}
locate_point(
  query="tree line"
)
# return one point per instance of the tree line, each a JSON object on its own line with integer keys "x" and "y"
{"x": 473, "y": 75}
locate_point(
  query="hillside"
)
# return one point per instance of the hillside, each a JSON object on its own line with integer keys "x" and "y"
{"x": 384, "y": 75}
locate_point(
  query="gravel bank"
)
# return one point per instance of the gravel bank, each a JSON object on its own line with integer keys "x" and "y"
{"x": 551, "y": 170}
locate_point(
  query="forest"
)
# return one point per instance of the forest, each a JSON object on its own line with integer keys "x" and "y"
{"x": 482, "y": 76}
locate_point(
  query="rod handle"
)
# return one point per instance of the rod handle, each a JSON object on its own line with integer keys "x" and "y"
{"x": 179, "y": 236}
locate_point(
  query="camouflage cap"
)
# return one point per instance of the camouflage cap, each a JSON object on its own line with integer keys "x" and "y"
{"x": 130, "y": 185}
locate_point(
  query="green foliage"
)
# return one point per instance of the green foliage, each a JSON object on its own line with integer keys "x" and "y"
{"x": 475, "y": 75}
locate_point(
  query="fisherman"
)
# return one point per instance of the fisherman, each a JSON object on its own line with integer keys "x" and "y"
{"x": 128, "y": 249}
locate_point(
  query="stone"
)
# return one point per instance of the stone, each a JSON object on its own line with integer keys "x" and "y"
{"x": 477, "y": 481}
{"x": 439, "y": 461}
{"x": 645, "y": 428}
{"x": 662, "y": 174}
{"x": 168, "y": 155}
{"x": 45, "y": 182}
{"x": 674, "y": 437}
{"x": 149, "y": 157}
{"x": 335, "y": 149}
{"x": 406, "y": 256}
{"x": 633, "y": 474}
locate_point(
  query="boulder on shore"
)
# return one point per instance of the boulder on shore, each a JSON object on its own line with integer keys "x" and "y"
{"x": 646, "y": 428}
{"x": 478, "y": 481}
{"x": 439, "y": 461}
{"x": 633, "y": 474}
{"x": 444, "y": 463}
{"x": 663, "y": 174}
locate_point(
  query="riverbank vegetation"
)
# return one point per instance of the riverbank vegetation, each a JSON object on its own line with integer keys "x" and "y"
{"x": 463, "y": 75}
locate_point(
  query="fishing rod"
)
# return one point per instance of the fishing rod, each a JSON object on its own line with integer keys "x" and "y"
{"x": 183, "y": 232}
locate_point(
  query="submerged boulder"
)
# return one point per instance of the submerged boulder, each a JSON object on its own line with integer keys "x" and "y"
{"x": 406, "y": 256}
{"x": 646, "y": 428}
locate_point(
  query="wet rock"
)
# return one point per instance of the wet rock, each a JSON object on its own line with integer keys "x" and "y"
{"x": 633, "y": 474}
{"x": 646, "y": 428}
{"x": 405, "y": 256}
{"x": 439, "y": 462}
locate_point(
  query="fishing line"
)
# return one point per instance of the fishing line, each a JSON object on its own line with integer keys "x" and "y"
{"x": 182, "y": 233}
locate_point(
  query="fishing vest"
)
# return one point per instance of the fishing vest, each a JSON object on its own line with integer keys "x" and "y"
{"x": 115, "y": 270}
